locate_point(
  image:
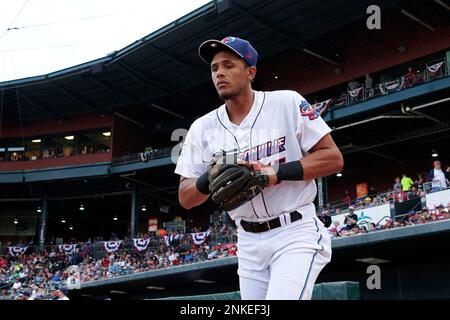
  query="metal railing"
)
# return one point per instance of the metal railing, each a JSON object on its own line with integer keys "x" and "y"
{"x": 362, "y": 93}
{"x": 142, "y": 156}
{"x": 157, "y": 244}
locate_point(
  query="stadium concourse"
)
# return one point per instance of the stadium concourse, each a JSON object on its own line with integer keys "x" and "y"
{"x": 86, "y": 152}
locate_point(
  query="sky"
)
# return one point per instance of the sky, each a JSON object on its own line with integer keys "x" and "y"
{"x": 50, "y": 35}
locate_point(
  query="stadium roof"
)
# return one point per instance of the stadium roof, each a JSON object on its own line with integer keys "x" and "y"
{"x": 161, "y": 74}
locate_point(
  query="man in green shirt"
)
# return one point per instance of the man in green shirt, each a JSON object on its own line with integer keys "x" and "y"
{"x": 406, "y": 182}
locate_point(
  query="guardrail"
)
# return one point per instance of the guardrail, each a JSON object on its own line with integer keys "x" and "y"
{"x": 142, "y": 156}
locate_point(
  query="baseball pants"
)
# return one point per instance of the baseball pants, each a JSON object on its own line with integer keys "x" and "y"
{"x": 282, "y": 263}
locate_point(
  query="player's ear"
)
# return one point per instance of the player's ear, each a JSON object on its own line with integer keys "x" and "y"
{"x": 251, "y": 73}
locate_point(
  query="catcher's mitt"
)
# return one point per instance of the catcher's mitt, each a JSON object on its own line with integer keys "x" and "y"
{"x": 232, "y": 185}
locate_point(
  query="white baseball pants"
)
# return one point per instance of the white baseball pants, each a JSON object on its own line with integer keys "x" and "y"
{"x": 282, "y": 263}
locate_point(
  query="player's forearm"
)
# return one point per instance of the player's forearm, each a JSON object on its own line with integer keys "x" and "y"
{"x": 321, "y": 163}
{"x": 188, "y": 194}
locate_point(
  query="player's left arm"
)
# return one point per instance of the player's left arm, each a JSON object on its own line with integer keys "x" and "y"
{"x": 324, "y": 158}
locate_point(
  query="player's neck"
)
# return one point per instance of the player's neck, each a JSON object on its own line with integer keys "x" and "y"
{"x": 238, "y": 107}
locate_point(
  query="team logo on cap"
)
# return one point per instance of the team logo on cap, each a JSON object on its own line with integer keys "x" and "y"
{"x": 228, "y": 40}
{"x": 308, "y": 110}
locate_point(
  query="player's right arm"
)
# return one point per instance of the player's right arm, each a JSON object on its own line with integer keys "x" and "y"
{"x": 193, "y": 189}
{"x": 188, "y": 194}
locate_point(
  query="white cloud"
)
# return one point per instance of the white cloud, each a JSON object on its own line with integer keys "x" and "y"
{"x": 55, "y": 34}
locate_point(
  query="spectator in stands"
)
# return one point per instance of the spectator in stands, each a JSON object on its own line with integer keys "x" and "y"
{"x": 368, "y": 83}
{"x": 406, "y": 182}
{"x": 352, "y": 86}
{"x": 342, "y": 100}
{"x": 347, "y": 198}
{"x": 410, "y": 78}
{"x": 418, "y": 183}
{"x": 425, "y": 215}
{"x": 360, "y": 204}
{"x": 414, "y": 218}
{"x": 105, "y": 262}
{"x": 60, "y": 294}
{"x": 399, "y": 195}
{"x": 325, "y": 217}
{"x": 437, "y": 177}
{"x": 367, "y": 202}
{"x": 413, "y": 193}
{"x": 351, "y": 219}
{"x": 372, "y": 192}
{"x": 420, "y": 193}
{"x": 447, "y": 175}
{"x": 397, "y": 184}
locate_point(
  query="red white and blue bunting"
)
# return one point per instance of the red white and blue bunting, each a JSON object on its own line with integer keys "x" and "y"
{"x": 322, "y": 107}
{"x": 435, "y": 67}
{"x": 112, "y": 246}
{"x": 17, "y": 251}
{"x": 67, "y": 248}
{"x": 141, "y": 244}
{"x": 354, "y": 93}
{"x": 392, "y": 86}
{"x": 200, "y": 237}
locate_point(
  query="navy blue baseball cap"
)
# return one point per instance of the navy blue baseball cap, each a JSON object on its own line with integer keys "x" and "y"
{"x": 236, "y": 45}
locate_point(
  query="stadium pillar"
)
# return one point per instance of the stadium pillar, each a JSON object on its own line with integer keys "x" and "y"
{"x": 322, "y": 192}
{"x": 43, "y": 221}
{"x": 134, "y": 210}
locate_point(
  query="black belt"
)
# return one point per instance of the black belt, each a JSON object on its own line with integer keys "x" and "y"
{"x": 269, "y": 224}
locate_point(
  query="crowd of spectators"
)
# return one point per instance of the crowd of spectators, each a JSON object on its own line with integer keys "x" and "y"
{"x": 49, "y": 275}
{"x": 352, "y": 227}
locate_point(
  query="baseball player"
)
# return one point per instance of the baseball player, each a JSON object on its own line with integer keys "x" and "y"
{"x": 282, "y": 245}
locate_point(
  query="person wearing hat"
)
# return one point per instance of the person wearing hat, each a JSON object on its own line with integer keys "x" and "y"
{"x": 282, "y": 139}
{"x": 351, "y": 219}
{"x": 437, "y": 177}
{"x": 61, "y": 294}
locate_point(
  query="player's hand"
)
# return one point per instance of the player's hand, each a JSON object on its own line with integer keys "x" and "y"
{"x": 263, "y": 168}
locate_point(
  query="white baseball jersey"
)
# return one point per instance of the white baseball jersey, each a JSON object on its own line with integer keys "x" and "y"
{"x": 280, "y": 127}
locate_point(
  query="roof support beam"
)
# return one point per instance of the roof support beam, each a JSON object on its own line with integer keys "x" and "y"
{"x": 175, "y": 60}
{"x": 151, "y": 84}
{"x": 77, "y": 99}
{"x": 35, "y": 104}
{"x": 125, "y": 96}
{"x": 291, "y": 39}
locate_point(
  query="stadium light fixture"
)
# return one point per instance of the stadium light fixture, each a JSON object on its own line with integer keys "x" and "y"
{"x": 63, "y": 220}
{"x": 69, "y": 137}
{"x": 81, "y": 207}
{"x": 276, "y": 77}
{"x": 39, "y": 210}
{"x": 36, "y": 140}
{"x": 70, "y": 228}
{"x": 204, "y": 281}
{"x": 106, "y": 134}
{"x": 434, "y": 154}
{"x": 115, "y": 218}
{"x": 16, "y": 221}
{"x": 117, "y": 292}
{"x": 144, "y": 208}
{"x": 339, "y": 174}
{"x": 155, "y": 288}
{"x": 372, "y": 260}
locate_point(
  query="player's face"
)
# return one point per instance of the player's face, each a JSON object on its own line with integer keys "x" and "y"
{"x": 230, "y": 74}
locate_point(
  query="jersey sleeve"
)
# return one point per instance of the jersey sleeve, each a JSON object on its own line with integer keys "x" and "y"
{"x": 190, "y": 164}
{"x": 310, "y": 125}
